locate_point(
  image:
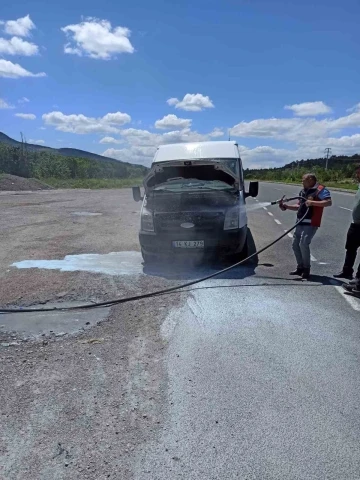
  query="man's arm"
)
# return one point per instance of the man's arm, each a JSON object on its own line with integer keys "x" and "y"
{"x": 324, "y": 197}
{"x": 293, "y": 208}
{"x": 319, "y": 203}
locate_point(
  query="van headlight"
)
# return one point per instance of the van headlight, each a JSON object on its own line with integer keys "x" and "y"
{"x": 232, "y": 219}
{"x": 147, "y": 220}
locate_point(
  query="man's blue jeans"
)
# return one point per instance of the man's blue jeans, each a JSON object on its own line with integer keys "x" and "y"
{"x": 301, "y": 244}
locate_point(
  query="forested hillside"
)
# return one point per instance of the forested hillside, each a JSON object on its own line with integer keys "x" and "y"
{"x": 47, "y": 163}
{"x": 340, "y": 169}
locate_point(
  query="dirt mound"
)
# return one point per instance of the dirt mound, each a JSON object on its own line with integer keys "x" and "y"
{"x": 12, "y": 183}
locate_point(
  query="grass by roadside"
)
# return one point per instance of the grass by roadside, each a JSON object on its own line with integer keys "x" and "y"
{"x": 345, "y": 185}
{"x": 92, "y": 183}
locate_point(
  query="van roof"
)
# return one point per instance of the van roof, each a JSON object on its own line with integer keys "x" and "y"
{"x": 196, "y": 151}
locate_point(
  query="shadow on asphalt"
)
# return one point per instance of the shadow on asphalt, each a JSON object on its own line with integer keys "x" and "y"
{"x": 182, "y": 267}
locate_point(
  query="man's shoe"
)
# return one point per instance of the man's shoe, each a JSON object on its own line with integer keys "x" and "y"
{"x": 350, "y": 285}
{"x": 344, "y": 274}
{"x": 297, "y": 271}
{"x": 306, "y": 274}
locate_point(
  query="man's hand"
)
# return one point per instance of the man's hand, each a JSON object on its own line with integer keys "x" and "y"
{"x": 309, "y": 203}
{"x": 282, "y": 205}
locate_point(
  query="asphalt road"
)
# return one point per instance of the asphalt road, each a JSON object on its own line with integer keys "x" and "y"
{"x": 263, "y": 371}
{"x": 328, "y": 244}
{"x": 253, "y": 375}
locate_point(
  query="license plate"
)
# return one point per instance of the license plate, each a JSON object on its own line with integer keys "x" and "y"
{"x": 188, "y": 244}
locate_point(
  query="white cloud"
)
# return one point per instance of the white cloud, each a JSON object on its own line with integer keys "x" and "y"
{"x": 110, "y": 140}
{"x": 4, "y": 105}
{"x": 269, "y": 157}
{"x": 145, "y": 138}
{"x": 172, "y": 121}
{"x": 26, "y": 116}
{"x": 355, "y": 108}
{"x": 72, "y": 51}
{"x": 307, "y": 136}
{"x": 269, "y": 127}
{"x": 309, "y": 109}
{"x": 14, "y": 70}
{"x": 20, "y": 27}
{"x": 135, "y": 155}
{"x": 265, "y": 156}
{"x": 349, "y": 121}
{"x": 117, "y": 118}
{"x": 348, "y": 144}
{"x": 23, "y": 100}
{"x": 192, "y": 102}
{"x": 18, "y": 46}
{"x": 37, "y": 142}
{"x": 140, "y": 145}
{"x": 297, "y": 130}
{"x": 216, "y": 133}
{"x": 97, "y": 39}
{"x": 81, "y": 124}
{"x": 295, "y": 138}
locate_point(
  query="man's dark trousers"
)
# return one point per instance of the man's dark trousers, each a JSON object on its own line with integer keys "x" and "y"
{"x": 352, "y": 245}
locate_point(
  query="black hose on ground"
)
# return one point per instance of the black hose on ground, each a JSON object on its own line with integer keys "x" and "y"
{"x": 119, "y": 301}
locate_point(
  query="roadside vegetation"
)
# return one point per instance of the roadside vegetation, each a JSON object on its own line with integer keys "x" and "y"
{"x": 93, "y": 183}
{"x": 340, "y": 172}
{"x": 61, "y": 171}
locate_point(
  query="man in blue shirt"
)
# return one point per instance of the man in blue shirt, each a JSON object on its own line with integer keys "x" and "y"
{"x": 309, "y": 210}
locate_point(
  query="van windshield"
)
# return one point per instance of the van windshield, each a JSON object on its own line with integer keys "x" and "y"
{"x": 180, "y": 184}
{"x": 203, "y": 174}
{"x": 232, "y": 164}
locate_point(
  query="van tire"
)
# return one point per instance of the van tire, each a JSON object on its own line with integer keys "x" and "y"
{"x": 238, "y": 257}
{"x": 148, "y": 258}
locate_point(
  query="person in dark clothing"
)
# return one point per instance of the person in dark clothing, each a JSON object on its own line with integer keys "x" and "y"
{"x": 315, "y": 198}
{"x": 353, "y": 243}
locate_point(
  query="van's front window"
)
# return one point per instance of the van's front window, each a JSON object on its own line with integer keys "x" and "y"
{"x": 231, "y": 164}
{"x": 187, "y": 184}
{"x": 209, "y": 174}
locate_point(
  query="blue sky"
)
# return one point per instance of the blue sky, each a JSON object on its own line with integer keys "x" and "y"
{"x": 120, "y": 78}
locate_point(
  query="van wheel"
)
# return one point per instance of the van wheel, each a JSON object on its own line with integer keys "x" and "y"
{"x": 238, "y": 257}
{"x": 148, "y": 258}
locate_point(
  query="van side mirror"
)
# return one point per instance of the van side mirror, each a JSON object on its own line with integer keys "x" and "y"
{"x": 137, "y": 194}
{"x": 253, "y": 190}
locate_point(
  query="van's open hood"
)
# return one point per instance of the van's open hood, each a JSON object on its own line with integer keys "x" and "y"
{"x": 201, "y": 170}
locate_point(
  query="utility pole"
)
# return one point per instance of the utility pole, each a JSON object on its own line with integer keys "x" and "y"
{"x": 22, "y": 143}
{"x": 328, "y": 153}
{"x": 229, "y": 134}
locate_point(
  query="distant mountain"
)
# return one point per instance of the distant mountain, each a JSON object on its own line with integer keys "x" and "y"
{"x": 75, "y": 152}
{"x": 66, "y": 152}
{"x": 14, "y": 143}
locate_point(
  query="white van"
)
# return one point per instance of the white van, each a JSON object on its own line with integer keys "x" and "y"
{"x": 194, "y": 201}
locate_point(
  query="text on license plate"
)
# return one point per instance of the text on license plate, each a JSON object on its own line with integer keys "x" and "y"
{"x": 188, "y": 244}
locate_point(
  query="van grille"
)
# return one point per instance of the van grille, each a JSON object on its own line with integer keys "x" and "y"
{"x": 171, "y": 222}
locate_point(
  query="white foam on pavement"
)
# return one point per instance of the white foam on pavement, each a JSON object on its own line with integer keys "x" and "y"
{"x": 115, "y": 263}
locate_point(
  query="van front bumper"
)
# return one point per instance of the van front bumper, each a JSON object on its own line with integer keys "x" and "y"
{"x": 228, "y": 242}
